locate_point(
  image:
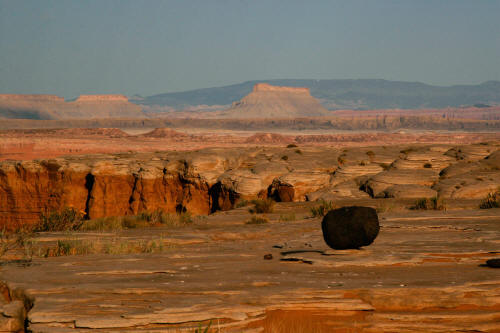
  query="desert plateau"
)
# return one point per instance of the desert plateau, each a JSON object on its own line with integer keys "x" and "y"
{"x": 170, "y": 230}
{"x": 257, "y": 166}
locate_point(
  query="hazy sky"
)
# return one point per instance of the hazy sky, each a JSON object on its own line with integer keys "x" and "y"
{"x": 70, "y": 47}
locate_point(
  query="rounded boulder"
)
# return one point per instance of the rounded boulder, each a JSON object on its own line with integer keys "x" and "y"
{"x": 350, "y": 227}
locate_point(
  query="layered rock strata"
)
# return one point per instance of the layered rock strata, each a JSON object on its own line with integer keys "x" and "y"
{"x": 208, "y": 180}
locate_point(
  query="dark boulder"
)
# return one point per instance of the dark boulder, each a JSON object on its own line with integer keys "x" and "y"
{"x": 493, "y": 263}
{"x": 350, "y": 227}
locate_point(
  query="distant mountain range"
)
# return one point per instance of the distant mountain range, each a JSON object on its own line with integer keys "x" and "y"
{"x": 342, "y": 94}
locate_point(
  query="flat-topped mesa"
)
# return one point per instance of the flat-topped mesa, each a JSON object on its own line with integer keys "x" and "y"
{"x": 31, "y": 98}
{"x": 102, "y": 98}
{"x": 265, "y": 87}
{"x": 267, "y": 101}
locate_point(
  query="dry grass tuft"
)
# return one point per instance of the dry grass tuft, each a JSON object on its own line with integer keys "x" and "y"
{"x": 434, "y": 203}
{"x": 66, "y": 219}
{"x": 324, "y": 207}
{"x": 492, "y": 200}
{"x": 262, "y": 206}
{"x": 72, "y": 247}
{"x": 257, "y": 220}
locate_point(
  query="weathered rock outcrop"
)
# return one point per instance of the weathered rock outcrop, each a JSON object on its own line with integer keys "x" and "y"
{"x": 99, "y": 186}
{"x": 214, "y": 179}
{"x": 14, "y": 307}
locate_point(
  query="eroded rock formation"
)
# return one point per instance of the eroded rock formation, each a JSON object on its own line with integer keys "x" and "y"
{"x": 214, "y": 179}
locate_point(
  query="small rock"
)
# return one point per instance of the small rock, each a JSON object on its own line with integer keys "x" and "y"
{"x": 494, "y": 263}
{"x": 350, "y": 227}
{"x": 14, "y": 309}
{"x": 268, "y": 256}
{"x": 13, "y": 316}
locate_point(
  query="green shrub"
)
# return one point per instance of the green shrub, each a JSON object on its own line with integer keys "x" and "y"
{"x": 298, "y": 151}
{"x": 66, "y": 219}
{"x": 492, "y": 200}
{"x": 257, "y": 220}
{"x": 434, "y": 203}
{"x": 262, "y": 206}
{"x": 324, "y": 207}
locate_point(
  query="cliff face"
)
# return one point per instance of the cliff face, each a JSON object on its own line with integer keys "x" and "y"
{"x": 265, "y": 87}
{"x": 101, "y": 98}
{"x": 108, "y": 187}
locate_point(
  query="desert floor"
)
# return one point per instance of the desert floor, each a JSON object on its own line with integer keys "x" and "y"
{"x": 424, "y": 273}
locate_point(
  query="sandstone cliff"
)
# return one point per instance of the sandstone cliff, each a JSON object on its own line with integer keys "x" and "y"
{"x": 208, "y": 180}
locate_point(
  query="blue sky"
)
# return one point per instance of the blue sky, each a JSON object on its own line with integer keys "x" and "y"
{"x": 69, "y": 47}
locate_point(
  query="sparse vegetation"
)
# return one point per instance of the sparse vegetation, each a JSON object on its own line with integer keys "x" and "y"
{"x": 242, "y": 203}
{"x": 324, "y": 207}
{"x": 427, "y": 165}
{"x": 142, "y": 220}
{"x": 67, "y": 219}
{"x": 71, "y": 247}
{"x": 284, "y": 158}
{"x": 370, "y": 154}
{"x": 257, "y": 220}
{"x": 18, "y": 239}
{"x": 298, "y": 151}
{"x": 262, "y": 206}
{"x": 291, "y": 145}
{"x": 434, "y": 203}
{"x": 341, "y": 160}
{"x": 363, "y": 163}
{"x": 492, "y": 200}
{"x": 287, "y": 217}
{"x": 201, "y": 330}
